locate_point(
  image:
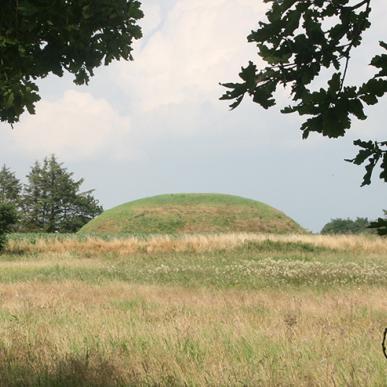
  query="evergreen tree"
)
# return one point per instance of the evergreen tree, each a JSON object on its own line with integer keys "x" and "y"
{"x": 10, "y": 187}
{"x": 8, "y": 218}
{"x": 84, "y": 208}
{"x": 52, "y": 201}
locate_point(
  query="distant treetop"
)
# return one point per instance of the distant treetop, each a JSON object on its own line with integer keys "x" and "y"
{"x": 347, "y": 226}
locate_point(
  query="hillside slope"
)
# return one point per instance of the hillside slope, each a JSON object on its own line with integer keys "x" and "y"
{"x": 192, "y": 213}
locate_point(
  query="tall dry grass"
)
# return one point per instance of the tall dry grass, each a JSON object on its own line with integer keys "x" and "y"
{"x": 73, "y": 334}
{"x": 93, "y": 313}
{"x": 194, "y": 243}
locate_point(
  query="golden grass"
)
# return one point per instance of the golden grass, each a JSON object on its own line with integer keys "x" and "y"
{"x": 51, "y": 260}
{"x": 62, "y": 325}
{"x": 194, "y": 243}
{"x": 122, "y": 334}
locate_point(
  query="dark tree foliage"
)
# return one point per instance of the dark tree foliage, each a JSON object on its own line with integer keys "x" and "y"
{"x": 8, "y": 218}
{"x": 300, "y": 42}
{"x": 380, "y": 225}
{"x": 84, "y": 208}
{"x": 52, "y": 200}
{"x": 10, "y": 187}
{"x": 39, "y": 37}
{"x": 347, "y": 226}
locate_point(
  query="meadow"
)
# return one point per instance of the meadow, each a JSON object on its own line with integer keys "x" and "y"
{"x": 214, "y": 309}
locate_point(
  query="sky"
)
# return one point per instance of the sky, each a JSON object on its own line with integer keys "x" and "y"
{"x": 156, "y": 125}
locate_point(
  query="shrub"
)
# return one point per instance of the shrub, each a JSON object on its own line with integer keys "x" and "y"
{"x": 8, "y": 218}
{"x": 347, "y": 226}
{"x": 380, "y": 225}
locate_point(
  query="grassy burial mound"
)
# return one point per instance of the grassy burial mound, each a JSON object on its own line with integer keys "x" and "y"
{"x": 192, "y": 213}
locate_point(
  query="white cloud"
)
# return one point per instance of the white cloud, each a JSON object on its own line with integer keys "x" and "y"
{"x": 77, "y": 126}
{"x": 199, "y": 44}
{"x": 153, "y": 18}
{"x": 186, "y": 51}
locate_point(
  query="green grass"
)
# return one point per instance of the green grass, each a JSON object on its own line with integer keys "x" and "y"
{"x": 251, "y": 265}
{"x": 286, "y": 312}
{"x": 191, "y": 213}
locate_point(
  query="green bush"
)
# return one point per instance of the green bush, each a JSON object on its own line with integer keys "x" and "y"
{"x": 380, "y": 225}
{"x": 347, "y": 226}
{"x": 8, "y": 218}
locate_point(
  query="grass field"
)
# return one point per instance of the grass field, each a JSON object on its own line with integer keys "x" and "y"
{"x": 230, "y": 309}
{"x": 192, "y": 213}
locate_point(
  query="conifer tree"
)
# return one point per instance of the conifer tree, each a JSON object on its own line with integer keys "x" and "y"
{"x": 8, "y": 218}
{"x": 52, "y": 201}
{"x": 10, "y": 187}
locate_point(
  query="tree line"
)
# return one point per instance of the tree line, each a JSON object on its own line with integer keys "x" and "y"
{"x": 49, "y": 201}
{"x": 348, "y": 226}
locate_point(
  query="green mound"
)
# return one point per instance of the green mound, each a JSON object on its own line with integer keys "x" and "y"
{"x": 192, "y": 213}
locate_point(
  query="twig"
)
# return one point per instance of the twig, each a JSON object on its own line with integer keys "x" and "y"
{"x": 359, "y": 5}
{"x": 350, "y": 46}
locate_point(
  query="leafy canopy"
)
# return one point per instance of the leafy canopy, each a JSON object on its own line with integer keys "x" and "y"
{"x": 302, "y": 40}
{"x": 39, "y": 37}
